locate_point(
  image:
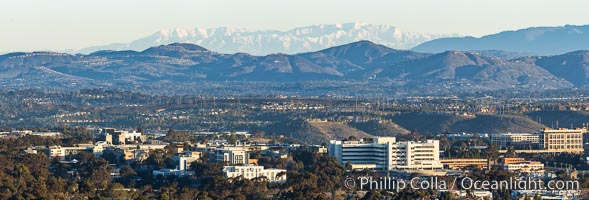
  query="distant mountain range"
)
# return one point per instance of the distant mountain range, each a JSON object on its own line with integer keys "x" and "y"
{"x": 361, "y": 61}
{"x": 525, "y": 42}
{"x": 263, "y": 42}
{"x": 536, "y": 41}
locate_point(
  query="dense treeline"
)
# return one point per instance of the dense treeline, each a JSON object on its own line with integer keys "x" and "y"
{"x": 37, "y": 176}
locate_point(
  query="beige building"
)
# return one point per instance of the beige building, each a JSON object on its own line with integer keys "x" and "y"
{"x": 528, "y": 166}
{"x": 505, "y": 161}
{"x": 562, "y": 140}
{"x": 464, "y": 162}
{"x": 120, "y": 137}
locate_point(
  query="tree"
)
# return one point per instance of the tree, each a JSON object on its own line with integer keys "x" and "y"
{"x": 446, "y": 196}
{"x": 117, "y": 191}
{"x": 493, "y": 153}
{"x": 110, "y": 157}
{"x": 259, "y": 134}
{"x": 511, "y": 152}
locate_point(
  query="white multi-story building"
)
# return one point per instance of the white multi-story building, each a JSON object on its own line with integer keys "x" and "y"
{"x": 232, "y": 156}
{"x": 385, "y": 153}
{"x": 523, "y": 140}
{"x": 172, "y": 172}
{"x": 21, "y": 132}
{"x": 62, "y": 152}
{"x": 251, "y": 171}
{"x": 39, "y": 133}
{"x": 184, "y": 161}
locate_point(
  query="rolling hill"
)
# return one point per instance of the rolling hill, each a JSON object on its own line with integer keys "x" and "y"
{"x": 534, "y": 40}
{"x": 358, "y": 62}
{"x": 480, "y": 123}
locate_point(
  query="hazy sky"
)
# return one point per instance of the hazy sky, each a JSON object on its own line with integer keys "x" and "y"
{"x": 74, "y": 24}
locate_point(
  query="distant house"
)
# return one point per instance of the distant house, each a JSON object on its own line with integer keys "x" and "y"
{"x": 62, "y": 152}
{"x": 171, "y": 172}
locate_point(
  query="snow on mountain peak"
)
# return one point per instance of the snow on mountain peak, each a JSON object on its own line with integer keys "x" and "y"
{"x": 263, "y": 42}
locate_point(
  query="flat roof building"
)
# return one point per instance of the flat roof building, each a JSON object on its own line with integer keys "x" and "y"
{"x": 562, "y": 140}
{"x": 528, "y": 167}
{"x": 252, "y": 171}
{"x": 232, "y": 156}
{"x": 464, "y": 162}
{"x": 385, "y": 153}
{"x": 517, "y": 140}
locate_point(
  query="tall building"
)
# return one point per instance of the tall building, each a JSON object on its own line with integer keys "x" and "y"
{"x": 385, "y": 153}
{"x": 184, "y": 161}
{"x": 232, "y": 156}
{"x": 120, "y": 137}
{"x": 517, "y": 140}
{"x": 562, "y": 140}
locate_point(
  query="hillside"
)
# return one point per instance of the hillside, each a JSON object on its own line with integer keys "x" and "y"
{"x": 337, "y": 130}
{"x": 573, "y": 66}
{"x": 535, "y": 40}
{"x": 481, "y": 123}
{"x": 359, "y": 63}
{"x": 564, "y": 119}
{"x": 380, "y": 128}
{"x": 497, "y": 124}
{"x": 315, "y": 132}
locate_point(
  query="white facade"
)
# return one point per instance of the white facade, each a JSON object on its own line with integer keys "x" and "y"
{"x": 184, "y": 161}
{"x": 232, "y": 156}
{"x": 23, "y": 132}
{"x": 385, "y": 153}
{"x": 171, "y": 172}
{"x": 30, "y": 132}
{"x": 133, "y": 135}
{"x": 62, "y": 152}
{"x": 251, "y": 171}
{"x": 529, "y": 167}
{"x": 502, "y": 140}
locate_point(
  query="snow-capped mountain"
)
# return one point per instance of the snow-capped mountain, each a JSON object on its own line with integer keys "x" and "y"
{"x": 262, "y": 42}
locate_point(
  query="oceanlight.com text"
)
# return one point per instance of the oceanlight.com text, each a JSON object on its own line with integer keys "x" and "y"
{"x": 460, "y": 183}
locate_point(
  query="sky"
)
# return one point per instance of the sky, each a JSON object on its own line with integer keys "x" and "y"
{"x": 28, "y": 25}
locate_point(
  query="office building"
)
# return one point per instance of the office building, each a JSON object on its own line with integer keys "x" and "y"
{"x": 464, "y": 162}
{"x": 516, "y": 140}
{"x": 184, "y": 161}
{"x": 121, "y": 137}
{"x": 562, "y": 140}
{"x": 385, "y": 153}
{"x": 232, "y": 156}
